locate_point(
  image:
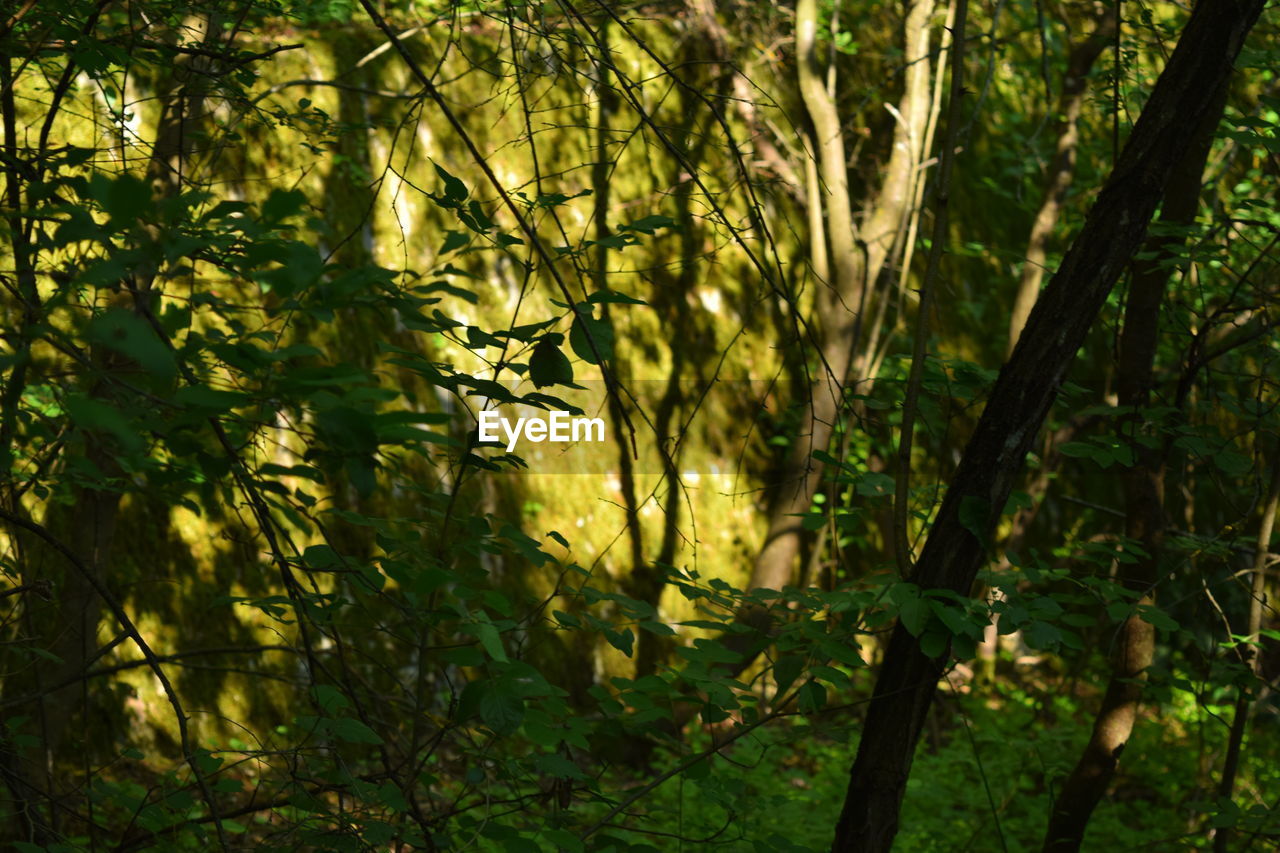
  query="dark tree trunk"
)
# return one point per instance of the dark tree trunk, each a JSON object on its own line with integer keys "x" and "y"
{"x": 993, "y": 459}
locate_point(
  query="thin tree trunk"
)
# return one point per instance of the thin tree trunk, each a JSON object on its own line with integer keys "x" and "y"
{"x": 1252, "y": 652}
{"x": 1063, "y": 168}
{"x": 819, "y": 264}
{"x": 884, "y": 219}
{"x": 840, "y": 303}
{"x": 1019, "y": 402}
{"x": 938, "y": 240}
{"x": 1142, "y": 485}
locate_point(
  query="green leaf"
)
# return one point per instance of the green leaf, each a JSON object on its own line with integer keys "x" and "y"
{"x": 623, "y": 640}
{"x": 455, "y": 191}
{"x": 79, "y": 225}
{"x": 353, "y": 731}
{"x": 347, "y": 429}
{"x": 454, "y": 240}
{"x": 812, "y": 697}
{"x": 519, "y": 844}
{"x": 565, "y": 842}
{"x": 281, "y": 204}
{"x": 956, "y": 619}
{"x": 1118, "y": 611}
{"x": 600, "y": 333}
{"x": 710, "y": 652}
{"x": 209, "y": 399}
{"x": 1232, "y": 464}
{"x": 613, "y": 297}
{"x": 501, "y": 709}
{"x": 832, "y": 676}
{"x": 1157, "y": 617}
{"x": 548, "y": 365}
{"x": 1077, "y": 449}
{"x": 127, "y": 333}
{"x": 390, "y": 795}
{"x": 1017, "y": 501}
{"x": 321, "y": 557}
{"x": 698, "y": 770}
{"x": 206, "y": 761}
{"x": 933, "y": 644}
{"x": 813, "y": 520}
{"x": 786, "y": 670}
{"x": 487, "y": 634}
{"x": 480, "y": 222}
{"x": 90, "y": 414}
{"x": 125, "y": 198}
{"x": 914, "y": 613}
{"x": 1042, "y": 635}
{"x": 649, "y": 224}
{"x": 874, "y": 485}
{"x": 330, "y": 698}
{"x": 452, "y": 290}
{"x": 975, "y": 516}
{"x": 361, "y": 469}
{"x": 526, "y": 545}
{"x": 555, "y": 764}
{"x": 614, "y": 241}
{"x": 225, "y": 209}
{"x": 477, "y": 338}
{"x": 300, "y": 267}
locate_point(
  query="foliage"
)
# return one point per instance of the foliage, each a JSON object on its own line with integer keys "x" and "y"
{"x": 265, "y": 588}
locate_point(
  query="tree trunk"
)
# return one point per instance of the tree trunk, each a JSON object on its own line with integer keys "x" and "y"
{"x": 838, "y": 302}
{"x": 1142, "y": 485}
{"x": 1020, "y": 400}
{"x": 841, "y": 302}
{"x": 1061, "y": 171}
{"x": 1251, "y": 653}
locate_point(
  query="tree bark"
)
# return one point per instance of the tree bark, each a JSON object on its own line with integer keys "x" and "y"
{"x": 1142, "y": 485}
{"x": 838, "y": 303}
{"x": 1019, "y": 402}
{"x": 841, "y": 302}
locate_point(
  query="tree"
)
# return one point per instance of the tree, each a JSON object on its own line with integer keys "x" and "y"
{"x": 1021, "y": 398}
{"x": 268, "y": 272}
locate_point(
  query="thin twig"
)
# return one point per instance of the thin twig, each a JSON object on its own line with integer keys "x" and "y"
{"x": 611, "y": 382}
{"x": 686, "y": 764}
